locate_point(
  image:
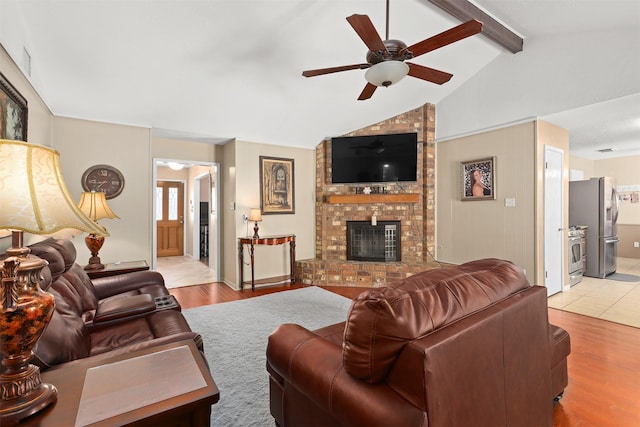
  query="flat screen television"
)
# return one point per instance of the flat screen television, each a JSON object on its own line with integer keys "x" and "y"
{"x": 374, "y": 158}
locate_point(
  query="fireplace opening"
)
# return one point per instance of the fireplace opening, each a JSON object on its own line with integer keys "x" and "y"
{"x": 380, "y": 242}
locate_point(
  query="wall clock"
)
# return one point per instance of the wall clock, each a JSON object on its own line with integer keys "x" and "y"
{"x": 103, "y": 178}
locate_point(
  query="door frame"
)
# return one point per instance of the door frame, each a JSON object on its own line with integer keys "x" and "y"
{"x": 216, "y": 241}
{"x": 214, "y": 219}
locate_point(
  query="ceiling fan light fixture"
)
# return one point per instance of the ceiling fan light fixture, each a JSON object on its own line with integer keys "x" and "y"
{"x": 386, "y": 73}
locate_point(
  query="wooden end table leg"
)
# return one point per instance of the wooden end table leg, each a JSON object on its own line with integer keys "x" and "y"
{"x": 241, "y": 261}
{"x": 292, "y": 256}
{"x": 253, "y": 281}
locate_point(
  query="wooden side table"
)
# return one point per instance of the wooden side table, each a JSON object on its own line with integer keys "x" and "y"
{"x": 166, "y": 385}
{"x": 114, "y": 269}
{"x": 271, "y": 241}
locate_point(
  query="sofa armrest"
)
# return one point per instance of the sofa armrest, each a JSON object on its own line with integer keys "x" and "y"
{"x": 314, "y": 367}
{"x": 120, "y": 283}
{"x": 123, "y": 308}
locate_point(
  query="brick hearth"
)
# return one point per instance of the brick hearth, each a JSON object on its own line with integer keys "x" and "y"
{"x": 411, "y": 203}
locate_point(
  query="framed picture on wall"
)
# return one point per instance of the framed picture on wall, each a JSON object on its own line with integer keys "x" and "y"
{"x": 479, "y": 179}
{"x": 276, "y": 186}
{"x": 13, "y": 112}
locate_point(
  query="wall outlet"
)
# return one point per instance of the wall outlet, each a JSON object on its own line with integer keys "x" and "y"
{"x": 245, "y": 218}
{"x": 636, "y": 244}
{"x": 510, "y": 202}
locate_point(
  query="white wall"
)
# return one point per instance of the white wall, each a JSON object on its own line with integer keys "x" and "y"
{"x": 551, "y": 75}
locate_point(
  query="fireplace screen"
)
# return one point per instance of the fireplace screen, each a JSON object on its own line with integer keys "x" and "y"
{"x": 380, "y": 242}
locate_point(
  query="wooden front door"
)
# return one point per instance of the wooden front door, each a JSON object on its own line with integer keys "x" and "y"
{"x": 170, "y": 218}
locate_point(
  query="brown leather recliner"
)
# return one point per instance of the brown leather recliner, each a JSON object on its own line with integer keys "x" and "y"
{"x": 457, "y": 346}
{"x": 105, "y": 317}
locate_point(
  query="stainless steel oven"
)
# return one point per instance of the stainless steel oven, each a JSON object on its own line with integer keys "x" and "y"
{"x": 577, "y": 253}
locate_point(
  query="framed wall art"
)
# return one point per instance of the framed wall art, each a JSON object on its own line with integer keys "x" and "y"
{"x": 479, "y": 179}
{"x": 13, "y": 112}
{"x": 276, "y": 186}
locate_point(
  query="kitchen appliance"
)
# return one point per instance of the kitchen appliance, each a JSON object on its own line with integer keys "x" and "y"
{"x": 594, "y": 204}
{"x": 577, "y": 254}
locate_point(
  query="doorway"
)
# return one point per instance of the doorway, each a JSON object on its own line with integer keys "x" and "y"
{"x": 554, "y": 235}
{"x": 200, "y": 182}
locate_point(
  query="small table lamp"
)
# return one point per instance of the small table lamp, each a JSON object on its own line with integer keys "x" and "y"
{"x": 256, "y": 216}
{"x": 94, "y": 205}
{"x": 33, "y": 199}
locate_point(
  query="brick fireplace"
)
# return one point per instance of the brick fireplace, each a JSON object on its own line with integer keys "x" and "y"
{"x": 410, "y": 203}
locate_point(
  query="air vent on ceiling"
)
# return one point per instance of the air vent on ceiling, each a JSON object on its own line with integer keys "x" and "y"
{"x": 606, "y": 150}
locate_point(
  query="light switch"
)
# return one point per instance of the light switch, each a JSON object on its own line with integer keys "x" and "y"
{"x": 510, "y": 202}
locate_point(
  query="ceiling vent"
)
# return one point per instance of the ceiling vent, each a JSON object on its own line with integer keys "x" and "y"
{"x": 606, "y": 150}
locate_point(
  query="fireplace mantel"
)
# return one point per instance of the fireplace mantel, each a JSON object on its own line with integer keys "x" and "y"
{"x": 373, "y": 198}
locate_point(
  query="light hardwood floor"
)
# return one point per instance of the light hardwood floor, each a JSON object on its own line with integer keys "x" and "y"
{"x": 604, "y": 365}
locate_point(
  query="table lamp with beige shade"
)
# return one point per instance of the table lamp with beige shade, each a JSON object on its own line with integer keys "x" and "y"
{"x": 94, "y": 205}
{"x": 255, "y": 215}
{"x": 33, "y": 199}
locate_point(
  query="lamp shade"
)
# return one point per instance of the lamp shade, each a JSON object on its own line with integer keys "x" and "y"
{"x": 255, "y": 215}
{"x": 94, "y": 205}
{"x": 386, "y": 73}
{"x": 33, "y": 195}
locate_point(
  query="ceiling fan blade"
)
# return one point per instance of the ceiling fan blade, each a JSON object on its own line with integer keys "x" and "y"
{"x": 367, "y": 32}
{"x": 428, "y": 74}
{"x": 321, "y": 71}
{"x": 367, "y": 92}
{"x": 452, "y": 35}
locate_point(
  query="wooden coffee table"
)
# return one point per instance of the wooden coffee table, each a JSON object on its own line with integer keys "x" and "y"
{"x": 162, "y": 386}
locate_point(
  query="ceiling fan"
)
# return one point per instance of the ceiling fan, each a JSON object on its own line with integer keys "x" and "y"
{"x": 386, "y": 58}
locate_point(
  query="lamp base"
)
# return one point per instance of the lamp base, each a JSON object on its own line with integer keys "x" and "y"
{"x": 25, "y": 311}
{"x": 24, "y": 394}
{"x": 94, "y": 244}
{"x": 255, "y": 231}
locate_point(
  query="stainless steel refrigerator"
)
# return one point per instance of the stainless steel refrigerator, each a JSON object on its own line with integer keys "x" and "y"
{"x": 594, "y": 203}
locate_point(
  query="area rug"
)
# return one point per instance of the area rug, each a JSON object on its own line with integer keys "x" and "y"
{"x": 235, "y": 338}
{"x": 622, "y": 277}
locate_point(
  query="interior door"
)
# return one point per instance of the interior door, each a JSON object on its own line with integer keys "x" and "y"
{"x": 170, "y": 218}
{"x": 554, "y": 233}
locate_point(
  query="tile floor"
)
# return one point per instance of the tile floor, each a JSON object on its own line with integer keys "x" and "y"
{"x": 184, "y": 271}
{"x": 603, "y": 298}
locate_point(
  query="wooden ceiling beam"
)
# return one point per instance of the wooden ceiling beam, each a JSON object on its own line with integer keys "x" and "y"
{"x": 464, "y": 11}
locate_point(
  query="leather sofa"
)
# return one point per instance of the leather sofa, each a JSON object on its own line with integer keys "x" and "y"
{"x": 103, "y": 317}
{"x": 469, "y": 345}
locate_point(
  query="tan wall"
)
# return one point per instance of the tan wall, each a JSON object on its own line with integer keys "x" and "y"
{"x": 583, "y": 165}
{"x": 40, "y": 119}
{"x": 273, "y": 261}
{"x": 84, "y": 143}
{"x": 467, "y": 230}
{"x": 628, "y": 234}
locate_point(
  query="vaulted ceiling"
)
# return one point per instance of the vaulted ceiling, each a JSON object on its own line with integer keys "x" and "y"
{"x": 212, "y": 70}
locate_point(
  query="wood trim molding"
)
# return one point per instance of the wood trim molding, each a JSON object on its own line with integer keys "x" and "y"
{"x": 464, "y": 10}
{"x": 372, "y": 198}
